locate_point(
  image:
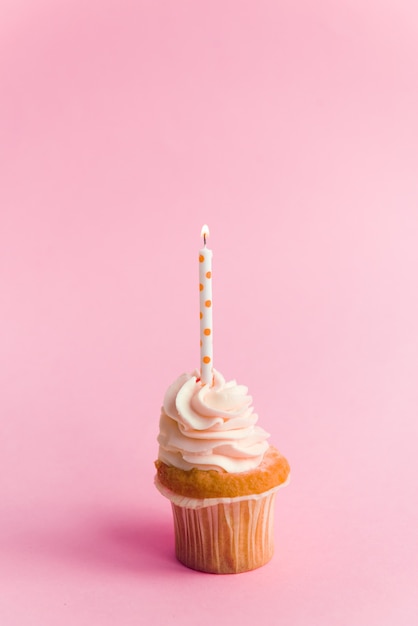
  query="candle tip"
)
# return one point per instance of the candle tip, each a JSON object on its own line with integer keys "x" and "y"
{"x": 204, "y": 232}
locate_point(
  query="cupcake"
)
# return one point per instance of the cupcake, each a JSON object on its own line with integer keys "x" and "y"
{"x": 219, "y": 472}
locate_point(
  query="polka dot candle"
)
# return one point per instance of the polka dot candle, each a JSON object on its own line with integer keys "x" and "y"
{"x": 205, "y": 287}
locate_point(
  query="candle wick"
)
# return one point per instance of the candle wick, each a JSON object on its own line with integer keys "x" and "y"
{"x": 204, "y": 239}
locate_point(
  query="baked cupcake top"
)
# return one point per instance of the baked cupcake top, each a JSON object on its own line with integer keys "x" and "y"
{"x": 272, "y": 472}
{"x": 210, "y": 427}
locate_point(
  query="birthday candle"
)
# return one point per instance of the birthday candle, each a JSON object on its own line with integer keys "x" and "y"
{"x": 205, "y": 286}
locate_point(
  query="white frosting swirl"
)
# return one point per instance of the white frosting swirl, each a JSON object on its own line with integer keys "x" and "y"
{"x": 210, "y": 427}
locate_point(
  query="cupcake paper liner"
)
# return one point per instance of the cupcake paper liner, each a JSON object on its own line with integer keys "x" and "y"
{"x": 223, "y": 535}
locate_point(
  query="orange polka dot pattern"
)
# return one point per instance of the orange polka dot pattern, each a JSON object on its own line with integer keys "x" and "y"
{"x": 205, "y": 289}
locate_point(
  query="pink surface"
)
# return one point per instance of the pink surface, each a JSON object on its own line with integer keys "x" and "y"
{"x": 292, "y": 130}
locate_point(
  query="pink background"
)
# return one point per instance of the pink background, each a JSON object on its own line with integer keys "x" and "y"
{"x": 291, "y": 128}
